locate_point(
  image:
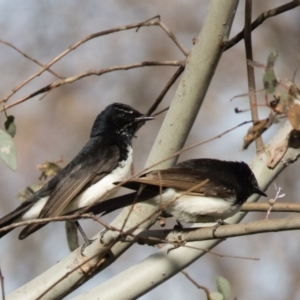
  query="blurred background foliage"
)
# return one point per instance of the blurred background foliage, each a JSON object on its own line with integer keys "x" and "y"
{"x": 59, "y": 124}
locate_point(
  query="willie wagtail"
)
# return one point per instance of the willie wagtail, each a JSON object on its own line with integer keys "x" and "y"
{"x": 105, "y": 159}
{"x": 226, "y": 186}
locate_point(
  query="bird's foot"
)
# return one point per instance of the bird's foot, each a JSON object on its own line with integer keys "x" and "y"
{"x": 178, "y": 243}
{"x": 87, "y": 241}
{"x": 219, "y": 223}
{"x": 102, "y": 233}
{"x": 86, "y": 244}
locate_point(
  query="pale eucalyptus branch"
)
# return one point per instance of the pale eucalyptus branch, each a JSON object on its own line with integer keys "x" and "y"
{"x": 187, "y": 235}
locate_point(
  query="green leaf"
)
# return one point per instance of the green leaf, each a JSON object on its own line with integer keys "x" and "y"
{"x": 72, "y": 235}
{"x": 10, "y": 126}
{"x": 223, "y": 287}
{"x": 269, "y": 79}
{"x": 8, "y": 150}
{"x": 216, "y": 296}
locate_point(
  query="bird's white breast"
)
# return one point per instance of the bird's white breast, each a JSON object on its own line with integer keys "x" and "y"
{"x": 196, "y": 209}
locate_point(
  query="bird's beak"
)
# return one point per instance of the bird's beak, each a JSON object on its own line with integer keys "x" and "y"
{"x": 143, "y": 119}
{"x": 259, "y": 192}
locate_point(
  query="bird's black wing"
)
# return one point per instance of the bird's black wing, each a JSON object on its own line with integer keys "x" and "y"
{"x": 181, "y": 177}
{"x": 89, "y": 166}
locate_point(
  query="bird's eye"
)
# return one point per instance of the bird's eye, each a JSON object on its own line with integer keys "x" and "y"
{"x": 122, "y": 116}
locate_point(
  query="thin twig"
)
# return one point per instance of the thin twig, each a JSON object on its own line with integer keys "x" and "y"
{"x": 194, "y": 282}
{"x": 74, "y": 78}
{"x": 250, "y": 72}
{"x": 75, "y": 216}
{"x": 264, "y": 16}
{"x": 2, "y": 285}
{"x": 90, "y": 37}
{"x": 160, "y": 112}
{"x": 277, "y": 207}
{"x": 30, "y": 58}
{"x": 173, "y": 38}
{"x": 222, "y": 255}
{"x": 165, "y": 90}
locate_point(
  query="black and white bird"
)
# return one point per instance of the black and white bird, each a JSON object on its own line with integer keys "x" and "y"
{"x": 105, "y": 159}
{"x": 226, "y": 185}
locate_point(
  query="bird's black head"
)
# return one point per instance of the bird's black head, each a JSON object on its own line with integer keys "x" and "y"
{"x": 118, "y": 118}
{"x": 246, "y": 180}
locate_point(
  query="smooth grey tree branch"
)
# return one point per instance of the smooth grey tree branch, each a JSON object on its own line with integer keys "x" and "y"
{"x": 277, "y": 207}
{"x": 179, "y": 238}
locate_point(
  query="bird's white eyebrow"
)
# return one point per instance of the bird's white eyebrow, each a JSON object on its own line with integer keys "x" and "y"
{"x": 126, "y": 111}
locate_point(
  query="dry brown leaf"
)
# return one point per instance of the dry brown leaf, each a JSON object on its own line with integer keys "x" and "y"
{"x": 257, "y": 130}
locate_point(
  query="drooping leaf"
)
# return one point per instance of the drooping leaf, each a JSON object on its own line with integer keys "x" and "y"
{"x": 223, "y": 287}
{"x": 72, "y": 235}
{"x": 216, "y": 296}
{"x": 8, "y": 150}
{"x": 257, "y": 130}
{"x": 10, "y": 126}
{"x": 269, "y": 79}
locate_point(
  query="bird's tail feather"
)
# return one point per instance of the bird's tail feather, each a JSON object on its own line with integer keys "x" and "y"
{"x": 29, "y": 229}
{"x": 103, "y": 208}
{"x": 109, "y": 205}
{"x": 12, "y": 217}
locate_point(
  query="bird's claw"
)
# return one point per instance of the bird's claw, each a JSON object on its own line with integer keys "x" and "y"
{"x": 86, "y": 244}
{"x": 102, "y": 233}
{"x": 219, "y": 223}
